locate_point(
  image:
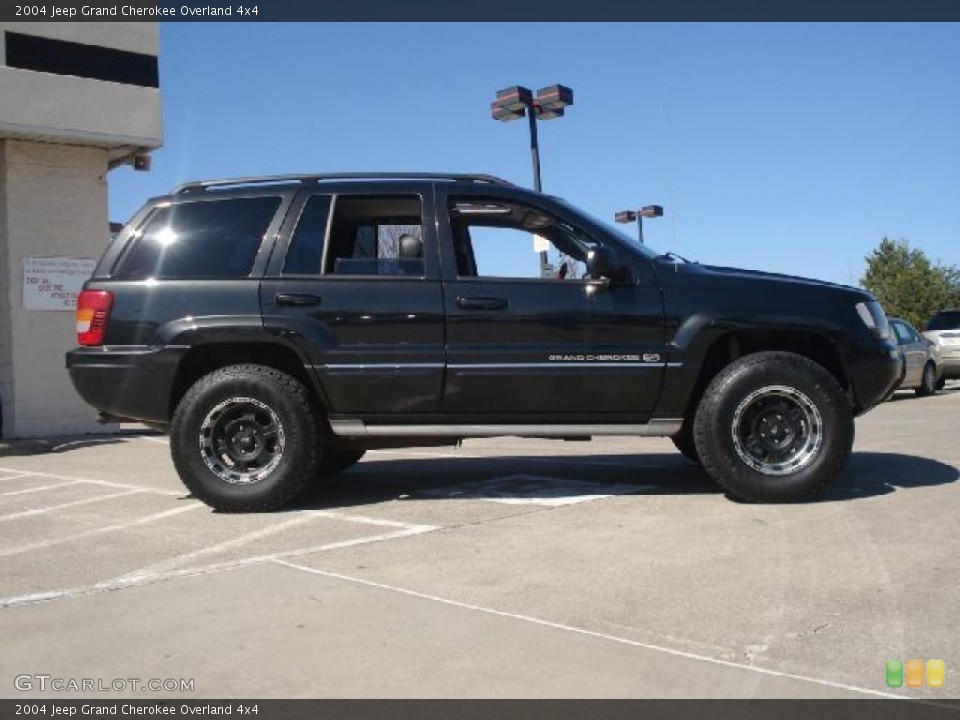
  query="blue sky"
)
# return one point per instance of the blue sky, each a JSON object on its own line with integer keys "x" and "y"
{"x": 793, "y": 148}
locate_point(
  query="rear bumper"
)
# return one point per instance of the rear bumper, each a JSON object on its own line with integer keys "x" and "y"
{"x": 949, "y": 366}
{"x": 874, "y": 369}
{"x": 130, "y": 381}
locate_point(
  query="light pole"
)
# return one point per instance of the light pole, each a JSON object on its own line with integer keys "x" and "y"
{"x": 650, "y": 211}
{"x": 515, "y": 102}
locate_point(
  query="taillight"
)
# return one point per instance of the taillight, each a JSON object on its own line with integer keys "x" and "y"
{"x": 93, "y": 310}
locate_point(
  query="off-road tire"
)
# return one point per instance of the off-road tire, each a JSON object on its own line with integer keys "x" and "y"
{"x": 300, "y": 431}
{"x": 758, "y": 376}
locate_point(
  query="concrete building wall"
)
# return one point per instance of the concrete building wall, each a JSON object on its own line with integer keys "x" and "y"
{"x": 59, "y": 134}
{"x": 54, "y": 201}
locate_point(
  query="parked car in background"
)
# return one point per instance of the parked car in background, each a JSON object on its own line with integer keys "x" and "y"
{"x": 921, "y": 359}
{"x": 943, "y": 330}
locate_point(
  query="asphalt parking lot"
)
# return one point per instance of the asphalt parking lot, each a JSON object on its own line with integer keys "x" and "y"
{"x": 504, "y": 568}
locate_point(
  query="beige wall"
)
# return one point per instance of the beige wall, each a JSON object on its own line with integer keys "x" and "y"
{"x": 53, "y": 201}
{"x": 66, "y": 108}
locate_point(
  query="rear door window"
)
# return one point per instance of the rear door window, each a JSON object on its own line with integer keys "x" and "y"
{"x": 202, "y": 239}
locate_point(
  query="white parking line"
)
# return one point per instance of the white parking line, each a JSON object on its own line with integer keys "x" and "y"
{"x": 40, "y": 488}
{"x": 180, "y": 560}
{"x": 128, "y": 582}
{"x": 105, "y": 483}
{"x": 145, "y": 520}
{"x": 16, "y": 475}
{"x": 151, "y": 438}
{"x": 166, "y": 566}
{"x": 583, "y": 631}
{"x": 64, "y": 506}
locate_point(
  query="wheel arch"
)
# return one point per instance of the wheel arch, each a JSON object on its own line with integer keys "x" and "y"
{"x": 205, "y": 358}
{"x": 736, "y": 343}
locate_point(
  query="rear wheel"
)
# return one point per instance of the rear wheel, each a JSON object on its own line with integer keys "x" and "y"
{"x": 773, "y": 427}
{"x": 928, "y": 383}
{"x": 245, "y": 438}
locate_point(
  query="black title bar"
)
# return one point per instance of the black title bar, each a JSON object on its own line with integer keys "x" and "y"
{"x": 512, "y": 10}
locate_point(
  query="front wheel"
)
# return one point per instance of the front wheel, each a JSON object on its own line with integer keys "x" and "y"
{"x": 774, "y": 427}
{"x": 928, "y": 384}
{"x": 245, "y": 438}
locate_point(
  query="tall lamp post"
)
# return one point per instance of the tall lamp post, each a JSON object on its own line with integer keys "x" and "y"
{"x": 515, "y": 102}
{"x": 648, "y": 211}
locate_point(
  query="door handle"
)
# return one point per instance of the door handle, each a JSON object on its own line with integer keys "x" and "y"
{"x": 297, "y": 299}
{"x": 481, "y": 303}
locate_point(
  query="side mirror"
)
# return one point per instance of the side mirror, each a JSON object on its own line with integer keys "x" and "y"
{"x": 605, "y": 262}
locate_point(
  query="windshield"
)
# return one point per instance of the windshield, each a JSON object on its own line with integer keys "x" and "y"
{"x": 945, "y": 321}
{"x": 590, "y": 220}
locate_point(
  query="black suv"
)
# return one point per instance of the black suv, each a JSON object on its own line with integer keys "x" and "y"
{"x": 279, "y": 327}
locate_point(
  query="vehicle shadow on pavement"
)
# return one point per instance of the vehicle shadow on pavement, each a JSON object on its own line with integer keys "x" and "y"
{"x": 870, "y": 474}
{"x": 564, "y": 480}
{"x": 549, "y": 480}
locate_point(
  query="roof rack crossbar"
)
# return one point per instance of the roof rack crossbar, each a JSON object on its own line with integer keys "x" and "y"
{"x": 201, "y": 186}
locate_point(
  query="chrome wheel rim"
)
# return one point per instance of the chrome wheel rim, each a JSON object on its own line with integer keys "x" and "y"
{"x": 241, "y": 441}
{"x": 777, "y": 430}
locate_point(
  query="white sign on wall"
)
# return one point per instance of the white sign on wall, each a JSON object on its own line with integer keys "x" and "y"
{"x": 53, "y": 283}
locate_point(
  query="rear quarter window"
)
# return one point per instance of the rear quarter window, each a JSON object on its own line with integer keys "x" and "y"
{"x": 945, "y": 321}
{"x": 202, "y": 239}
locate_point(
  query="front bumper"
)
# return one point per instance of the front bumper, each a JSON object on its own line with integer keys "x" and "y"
{"x": 874, "y": 368}
{"x": 130, "y": 381}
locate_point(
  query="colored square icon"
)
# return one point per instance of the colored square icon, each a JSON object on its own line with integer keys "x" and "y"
{"x": 894, "y": 673}
{"x": 915, "y": 673}
{"x": 936, "y": 671}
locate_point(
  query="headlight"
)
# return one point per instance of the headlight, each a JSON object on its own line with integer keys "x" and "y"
{"x": 875, "y": 318}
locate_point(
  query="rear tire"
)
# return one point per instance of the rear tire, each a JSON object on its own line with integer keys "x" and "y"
{"x": 246, "y": 438}
{"x": 773, "y": 427}
{"x": 928, "y": 383}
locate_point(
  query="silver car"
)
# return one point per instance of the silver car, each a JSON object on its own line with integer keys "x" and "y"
{"x": 921, "y": 359}
{"x": 944, "y": 331}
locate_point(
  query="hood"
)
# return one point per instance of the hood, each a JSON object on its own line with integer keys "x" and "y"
{"x": 777, "y": 277}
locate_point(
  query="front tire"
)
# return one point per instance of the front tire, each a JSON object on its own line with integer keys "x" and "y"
{"x": 246, "y": 438}
{"x": 928, "y": 383}
{"x": 773, "y": 427}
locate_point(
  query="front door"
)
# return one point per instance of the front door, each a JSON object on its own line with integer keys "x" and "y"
{"x": 534, "y": 341}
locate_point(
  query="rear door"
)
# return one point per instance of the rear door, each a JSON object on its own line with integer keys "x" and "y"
{"x": 355, "y": 282}
{"x": 534, "y": 343}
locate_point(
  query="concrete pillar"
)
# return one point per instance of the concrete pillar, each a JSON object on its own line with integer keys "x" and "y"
{"x": 53, "y": 202}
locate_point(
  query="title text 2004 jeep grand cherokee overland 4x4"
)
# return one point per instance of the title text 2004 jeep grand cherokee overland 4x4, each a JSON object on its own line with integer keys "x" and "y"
{"x": 279, "y": 327}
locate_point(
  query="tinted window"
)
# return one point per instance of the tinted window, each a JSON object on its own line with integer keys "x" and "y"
{"x": 306, "y": 245}
{"x": 376, "y": 236}
{"x": 945, "y": 321}
{"x": 217, "y": 238}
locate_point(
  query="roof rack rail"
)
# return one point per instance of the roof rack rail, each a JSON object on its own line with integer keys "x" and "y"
{"x": 203, "y": 185}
